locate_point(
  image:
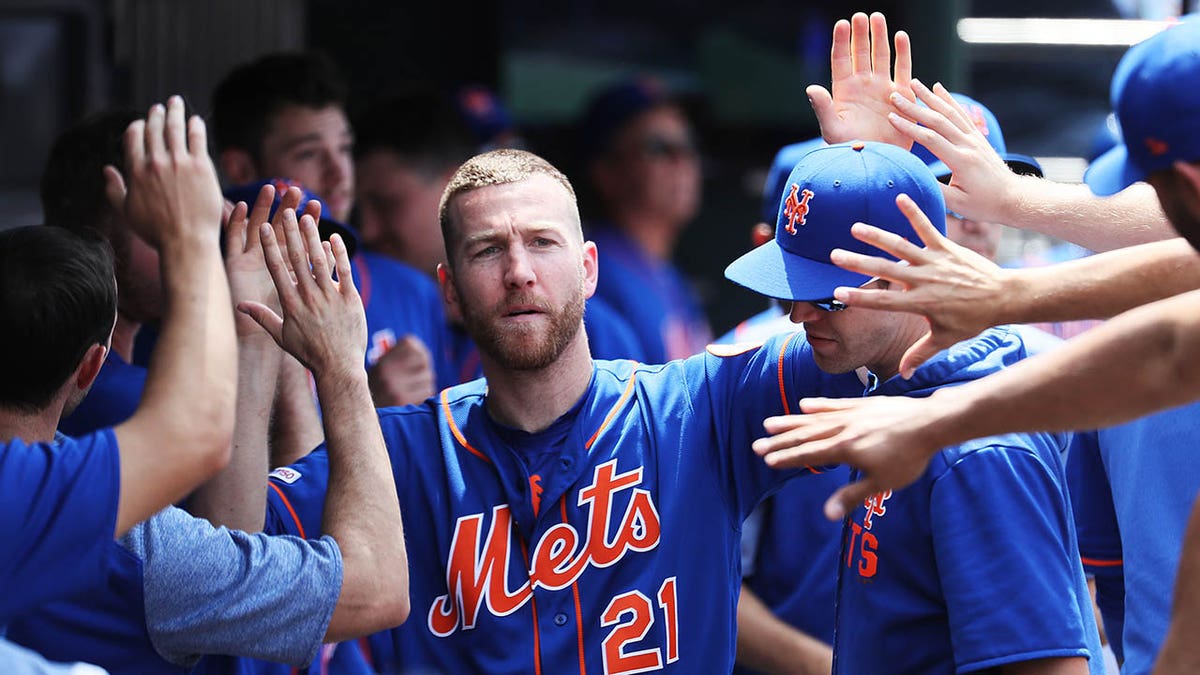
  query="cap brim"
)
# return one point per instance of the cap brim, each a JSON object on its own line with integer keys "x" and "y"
{"x": 773, "y": 272}
{"x": 1112, "y": 172}
{"x": 1022, "y": 164}
{"x": 329, "y": 226}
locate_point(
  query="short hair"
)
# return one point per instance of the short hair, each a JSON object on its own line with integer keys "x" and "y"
{"x": 420, "y": 127}
{"x": 72, "y": 186}
{"x": 498, "y": 167}
{"x": 59, "y": 299}
{"x": 247, "y": 100}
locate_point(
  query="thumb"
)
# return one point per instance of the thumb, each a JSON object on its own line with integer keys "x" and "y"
{"x": 822, "y": 105}
{"x": 847, "y": 498}
{"x": 265, "y": 317}
{"x": 114, "y": 187}
{"x": 920, "y": 352}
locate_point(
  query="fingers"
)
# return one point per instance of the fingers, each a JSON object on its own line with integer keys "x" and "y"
{"x": 114, "y": 185}
{"x": 322, "y": 270}
{"x": 890, "y": 243}
{"x": 197, "y": 136}
{"x": 848, "y": 497}
{"x": 156, "y": 150}
{"x": 881, "y": 54}
{"x": 822, "y": 104}
{"x": 921, "y": 225}
{"x": 860, "y": 42}
{"x": 313, "y": 208}
{"x": 176, "y": 129}
{"x": 840, "y": 65}
{"x": 135, "y": 145}
{"x": 265, "y": 317}
{"x": 297, "y": 255}
{"x": 235, "y": 230}
{"x": 290, "y": 200}
{"x": 341, "y": 258}
{"x": 260, "y": 213}
{"x": 903, "y": 76}
{"x": 280, "y": 274}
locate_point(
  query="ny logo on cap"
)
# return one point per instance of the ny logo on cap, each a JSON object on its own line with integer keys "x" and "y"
{"x": 796, "y": 208}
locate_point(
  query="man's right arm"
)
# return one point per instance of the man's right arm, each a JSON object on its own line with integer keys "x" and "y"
{"x": 769, "y": 644}
{"x": 181, "y": 432}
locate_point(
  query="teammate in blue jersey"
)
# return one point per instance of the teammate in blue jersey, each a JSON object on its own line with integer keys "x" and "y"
{"x": 284, "y": 115}
{"x": 975, "y": 566}
{"x": 575, "y": 515}
{"x": 643, "y": 165}
{"x": 64, "y": 499}
{"x": 174, "y": 586}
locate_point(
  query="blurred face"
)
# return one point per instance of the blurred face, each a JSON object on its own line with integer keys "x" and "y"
{"x": 854, "y": 337}
{"x": 521, "y": 271}
{"x": 398, "y": 210}
{"x": 139, "y": 282}
{"x": 653, "y": 167}
{"x": 982, "y": 238}
{"x": 312, "y": 146}
{"x": 1179, "y": 195}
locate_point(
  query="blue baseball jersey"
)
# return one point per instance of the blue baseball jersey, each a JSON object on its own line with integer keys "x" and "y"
{"x": 58, "y": 513}
{"x": 608, "y": 543}
{"x": 976, "y": 564}
{"x": 610, "y": 337}
{"x": 652, "y": 296}
{"x": 113, "y": 398}
{"x": 399, "y": 301}
{"x": 1148, "y": 468}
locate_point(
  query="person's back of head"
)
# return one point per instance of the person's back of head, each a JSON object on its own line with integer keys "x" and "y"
{"x": 72, "y": 186}
{"x": 406, "y": 149}
{"x": 59, "y": 300}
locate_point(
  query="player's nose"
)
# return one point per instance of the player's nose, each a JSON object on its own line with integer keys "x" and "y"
{"x": 803, "y": 312}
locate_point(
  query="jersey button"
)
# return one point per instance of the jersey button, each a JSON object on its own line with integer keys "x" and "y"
{"x": 560, "y": 619}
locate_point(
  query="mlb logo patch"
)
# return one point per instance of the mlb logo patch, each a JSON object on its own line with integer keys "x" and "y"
{"x": 285, "y": 474}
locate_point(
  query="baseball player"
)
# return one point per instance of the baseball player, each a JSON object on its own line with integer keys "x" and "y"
{"x": 574, "y": 515}
{"x": 975, "y": 566}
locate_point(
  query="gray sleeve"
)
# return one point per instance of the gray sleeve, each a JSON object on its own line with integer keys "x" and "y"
{"x": 218, "y": 591}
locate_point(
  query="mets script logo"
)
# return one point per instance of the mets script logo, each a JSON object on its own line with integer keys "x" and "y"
{"x": 875, "y": 507}
{"x": 478, "y": 563}
{"x": 795, "y": 207}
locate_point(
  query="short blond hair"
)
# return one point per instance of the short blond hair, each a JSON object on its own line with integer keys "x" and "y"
{"x": 498, "y": 167}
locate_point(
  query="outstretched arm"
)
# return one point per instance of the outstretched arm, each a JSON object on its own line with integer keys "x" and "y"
{"x": 962, "y": 293}
{"x": 1145, "y": 360}
{"x": 770, "y": 645}
{"x": 180, "y": 434}
{"x": 861, "y": 81}
{"x": 324, "y": 327}
{"x": 984, "y": 189}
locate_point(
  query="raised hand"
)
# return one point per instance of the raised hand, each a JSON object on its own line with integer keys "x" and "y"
{"x": 404, "y": 375}
{"x": 323, "y": 323}
{"x": 862, "y": 81}
{"x": 959, "y": 292}
{"x": 885, "y": 437}
{"x": 249, "y": 280}
{"x": 982, "y": 187}
{"x": 170, "y": 188}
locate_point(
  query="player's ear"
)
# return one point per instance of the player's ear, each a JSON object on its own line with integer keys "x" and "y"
{"x": 591, "y": 268}
{"x": 449, "y": 293}
{"x": 89, "y": 366}
{"x": 237, "y": 166}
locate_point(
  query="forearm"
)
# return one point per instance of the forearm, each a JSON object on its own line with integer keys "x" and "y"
{"x": 188, "y": 402}
{"x": 767, "y": 644}
{"x": 296, "y": 424}
{"x": 1103, "y": 285}
{"x": 1143, "y": 361}
{"x": 1180, "y": 650}
{"x": 1073, "y": 213}
{"x": 236, "y": 497}
{"x": 362, "y": 511}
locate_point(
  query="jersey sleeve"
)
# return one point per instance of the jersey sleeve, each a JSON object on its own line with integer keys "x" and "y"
{"x": 1099, "y": 536}
{"x": 296, "y": 496}
{"x": 212, "y": 590}
{"x": 748, "y": 383}
{"x": 1002, "y": 538}
{"x": 58, "y": 513}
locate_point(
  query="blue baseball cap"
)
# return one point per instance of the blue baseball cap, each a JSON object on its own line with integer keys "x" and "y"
{"x": 785, "y": 160}
{"x": 830, "y": 189}
{"x": 989, "y": 126}
{"x": 1156, "y": 95}
{"x": 327, "y": 226}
